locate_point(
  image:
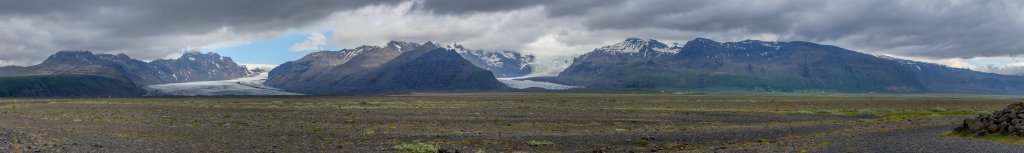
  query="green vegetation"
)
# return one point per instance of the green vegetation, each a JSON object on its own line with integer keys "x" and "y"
{"x": 645, "y": 144}
{"x": 676, "y": 146}
{"x": 866, "y": 112}
{"x": 938, "y": 109}
{"x": 540, "y": 143}
{"x": 803, "y": 112}
{"x": 1001, "y": 138}
{"x": 66, "y": 85}
{"x": 828, "y": 111}
{"x": 417, "y": 147}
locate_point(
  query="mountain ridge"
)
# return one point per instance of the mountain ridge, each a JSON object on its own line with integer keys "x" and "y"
{"x": 53, "y": 73}
{"x": 770, "y": 66}
{"x": 425, "y": 68}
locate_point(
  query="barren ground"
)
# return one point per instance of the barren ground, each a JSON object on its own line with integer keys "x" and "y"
{"x": 499, "y": 122}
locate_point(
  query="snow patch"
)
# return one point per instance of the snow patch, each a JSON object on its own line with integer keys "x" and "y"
{"x": 640, "y": 47}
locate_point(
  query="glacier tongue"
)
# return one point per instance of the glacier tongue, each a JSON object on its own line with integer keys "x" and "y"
{"x": 523, "y": 84}
{"x": 243, "y": 86}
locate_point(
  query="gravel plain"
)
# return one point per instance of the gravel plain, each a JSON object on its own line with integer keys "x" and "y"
{"x": 497, "y": 122}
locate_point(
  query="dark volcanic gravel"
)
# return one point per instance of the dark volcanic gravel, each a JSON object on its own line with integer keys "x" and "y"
{"x": 489, "y": 123}
{"x": 926, "y": 139}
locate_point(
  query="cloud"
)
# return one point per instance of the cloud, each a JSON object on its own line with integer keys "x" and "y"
{"x": 150, "y": 29}
{"x": 930, "y": 30}
{"x": 315, "y": 41}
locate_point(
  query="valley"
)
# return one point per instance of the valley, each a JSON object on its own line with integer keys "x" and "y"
{"x": 500, "y": 122}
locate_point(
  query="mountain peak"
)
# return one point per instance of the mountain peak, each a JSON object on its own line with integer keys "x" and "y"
{"x": 430, "y": 45}
{"x": 702, "y": 40}
{"x": 195, "y": 55}
{"x": 454, "y": 46}
{"x": 402, "y": 45}
{"x": 68, "y": 57}
{"x": 72, "y": 52}
{"x": 637, "y": 45}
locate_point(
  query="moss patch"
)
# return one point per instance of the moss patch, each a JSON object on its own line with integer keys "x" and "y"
{"x": 1001, "y": 138}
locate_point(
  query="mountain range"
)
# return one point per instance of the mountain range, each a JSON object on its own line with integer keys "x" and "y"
{"x": 402, "y": 67}
{"x": 394, "y": 68}
{"x": 753, "y": 65}
{"x": 504, "y": 64}
{"x": 93, "y": 74}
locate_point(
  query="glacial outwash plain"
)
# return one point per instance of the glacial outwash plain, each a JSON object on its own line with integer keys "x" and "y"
{"x": 501, "y": 122}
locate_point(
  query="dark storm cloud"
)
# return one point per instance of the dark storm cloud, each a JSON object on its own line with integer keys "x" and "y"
{"x": 155, "y": 17}
{"x": 141, "y": 27}
{"x": 553, "y": 7}
{"x": 931, "y": 29}
{"x": 935, "y": 29}
{"x": 29, "y": 30}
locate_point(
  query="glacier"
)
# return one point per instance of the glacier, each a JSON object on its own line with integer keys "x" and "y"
{"x": 518, "y": 83}
{"x": 247, "y": 86}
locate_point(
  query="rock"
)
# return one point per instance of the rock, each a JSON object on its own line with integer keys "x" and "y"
{"x": 1007, "y": 121}
{"x": 443, "y": 150}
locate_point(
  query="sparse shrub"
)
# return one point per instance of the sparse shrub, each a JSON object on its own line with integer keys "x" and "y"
{"x": 886, "y": 110}
{"x": 676, "y": 146}
{"x": 540, "y": 143}
{"x": 965, "y": 110}
{"x": 938, "y": 109}
{"x": 329, "y": 106}
{"x": 866, "y": 112}
{"x": 827, "y": 111}
{"x": 803, "y": 112}
{"x": 418, "y": 147}
{"x": 644, "y": 144}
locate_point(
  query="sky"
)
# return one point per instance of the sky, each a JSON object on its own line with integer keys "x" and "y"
{"x": 982, "y": 35}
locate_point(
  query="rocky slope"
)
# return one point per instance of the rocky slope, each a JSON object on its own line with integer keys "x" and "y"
{"x": 633, "y": 63}
{"x": 66, "y": 85}
{"x": 195, "y": 66}
{"x": 310, "y": 70}
{"x": 769, "y": 66}
{"x": 504, "y": 64}
{"x": 427, "y": 67}
{"x": 192, "y": 66}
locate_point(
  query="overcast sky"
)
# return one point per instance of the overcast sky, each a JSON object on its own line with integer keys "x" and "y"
{"x": 978, "y": 34}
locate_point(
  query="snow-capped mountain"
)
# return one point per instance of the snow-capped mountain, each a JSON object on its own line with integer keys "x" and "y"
{"x": 82, "y": 73}
{"x": 257, "y": 68}
{"x": 746, "y": 49}
{"x": 304, "y": 72}
{"x": 502, "y": 63}
{"x": 196, "y": 66}
{"x": 647, "y": 48}
{"x": 191, "y": 66}
{"x": 770, "y": 66}
{"x": 426, "y": 67}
